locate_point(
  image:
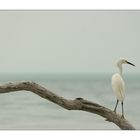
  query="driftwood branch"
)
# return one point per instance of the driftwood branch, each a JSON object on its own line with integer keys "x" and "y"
{"x": 76, "y": 104}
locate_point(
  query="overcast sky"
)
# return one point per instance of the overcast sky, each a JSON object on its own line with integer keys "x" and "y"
{"x": 68, "y": 41}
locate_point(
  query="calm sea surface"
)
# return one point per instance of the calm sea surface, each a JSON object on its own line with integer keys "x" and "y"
{"x": 26, "y": 110}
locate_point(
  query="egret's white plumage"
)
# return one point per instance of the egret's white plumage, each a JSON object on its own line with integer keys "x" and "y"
{"x": 118, "y": 84}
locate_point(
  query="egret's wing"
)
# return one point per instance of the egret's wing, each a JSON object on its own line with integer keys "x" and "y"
{"x": 118, "y": 86}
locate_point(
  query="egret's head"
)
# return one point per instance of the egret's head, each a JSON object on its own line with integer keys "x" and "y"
{"x": 124, "y": 61}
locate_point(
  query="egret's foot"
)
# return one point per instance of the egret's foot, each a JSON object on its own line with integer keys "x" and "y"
{"x": 115, "y": 111}
{"x": 79, "y": 98}
{"x": 122, "y": 116}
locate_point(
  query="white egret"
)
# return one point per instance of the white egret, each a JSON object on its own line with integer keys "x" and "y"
{"x": 118, "y": 84}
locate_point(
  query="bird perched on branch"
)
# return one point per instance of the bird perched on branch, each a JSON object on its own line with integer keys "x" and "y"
{"x": 118, "y": 84}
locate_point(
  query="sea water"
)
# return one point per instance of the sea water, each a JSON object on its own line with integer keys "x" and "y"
{"x": 26, "y": 110}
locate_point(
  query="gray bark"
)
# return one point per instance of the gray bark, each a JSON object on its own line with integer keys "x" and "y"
{"x": 76, "y": 104}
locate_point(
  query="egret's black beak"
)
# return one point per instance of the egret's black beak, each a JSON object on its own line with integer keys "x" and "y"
{"x": 131, "y": 64}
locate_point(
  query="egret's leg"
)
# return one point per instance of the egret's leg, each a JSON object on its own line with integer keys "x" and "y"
{"x": 122, "y": 110}
{"x": 116, "y": 106}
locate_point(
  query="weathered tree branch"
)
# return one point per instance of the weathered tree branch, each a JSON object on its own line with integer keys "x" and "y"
{"x": 76, "y": 104}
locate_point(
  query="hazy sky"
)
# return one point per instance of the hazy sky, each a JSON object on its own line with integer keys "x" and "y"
{"x": 68, "y": 41}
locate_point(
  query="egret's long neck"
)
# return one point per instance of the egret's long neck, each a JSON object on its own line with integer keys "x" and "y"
{"x": 120, "y": 68}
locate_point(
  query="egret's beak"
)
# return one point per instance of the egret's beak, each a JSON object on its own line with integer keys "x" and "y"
{"x": 130, "y": 64}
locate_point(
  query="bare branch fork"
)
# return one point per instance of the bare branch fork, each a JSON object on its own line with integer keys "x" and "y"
{"x": 76, "y": 104}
